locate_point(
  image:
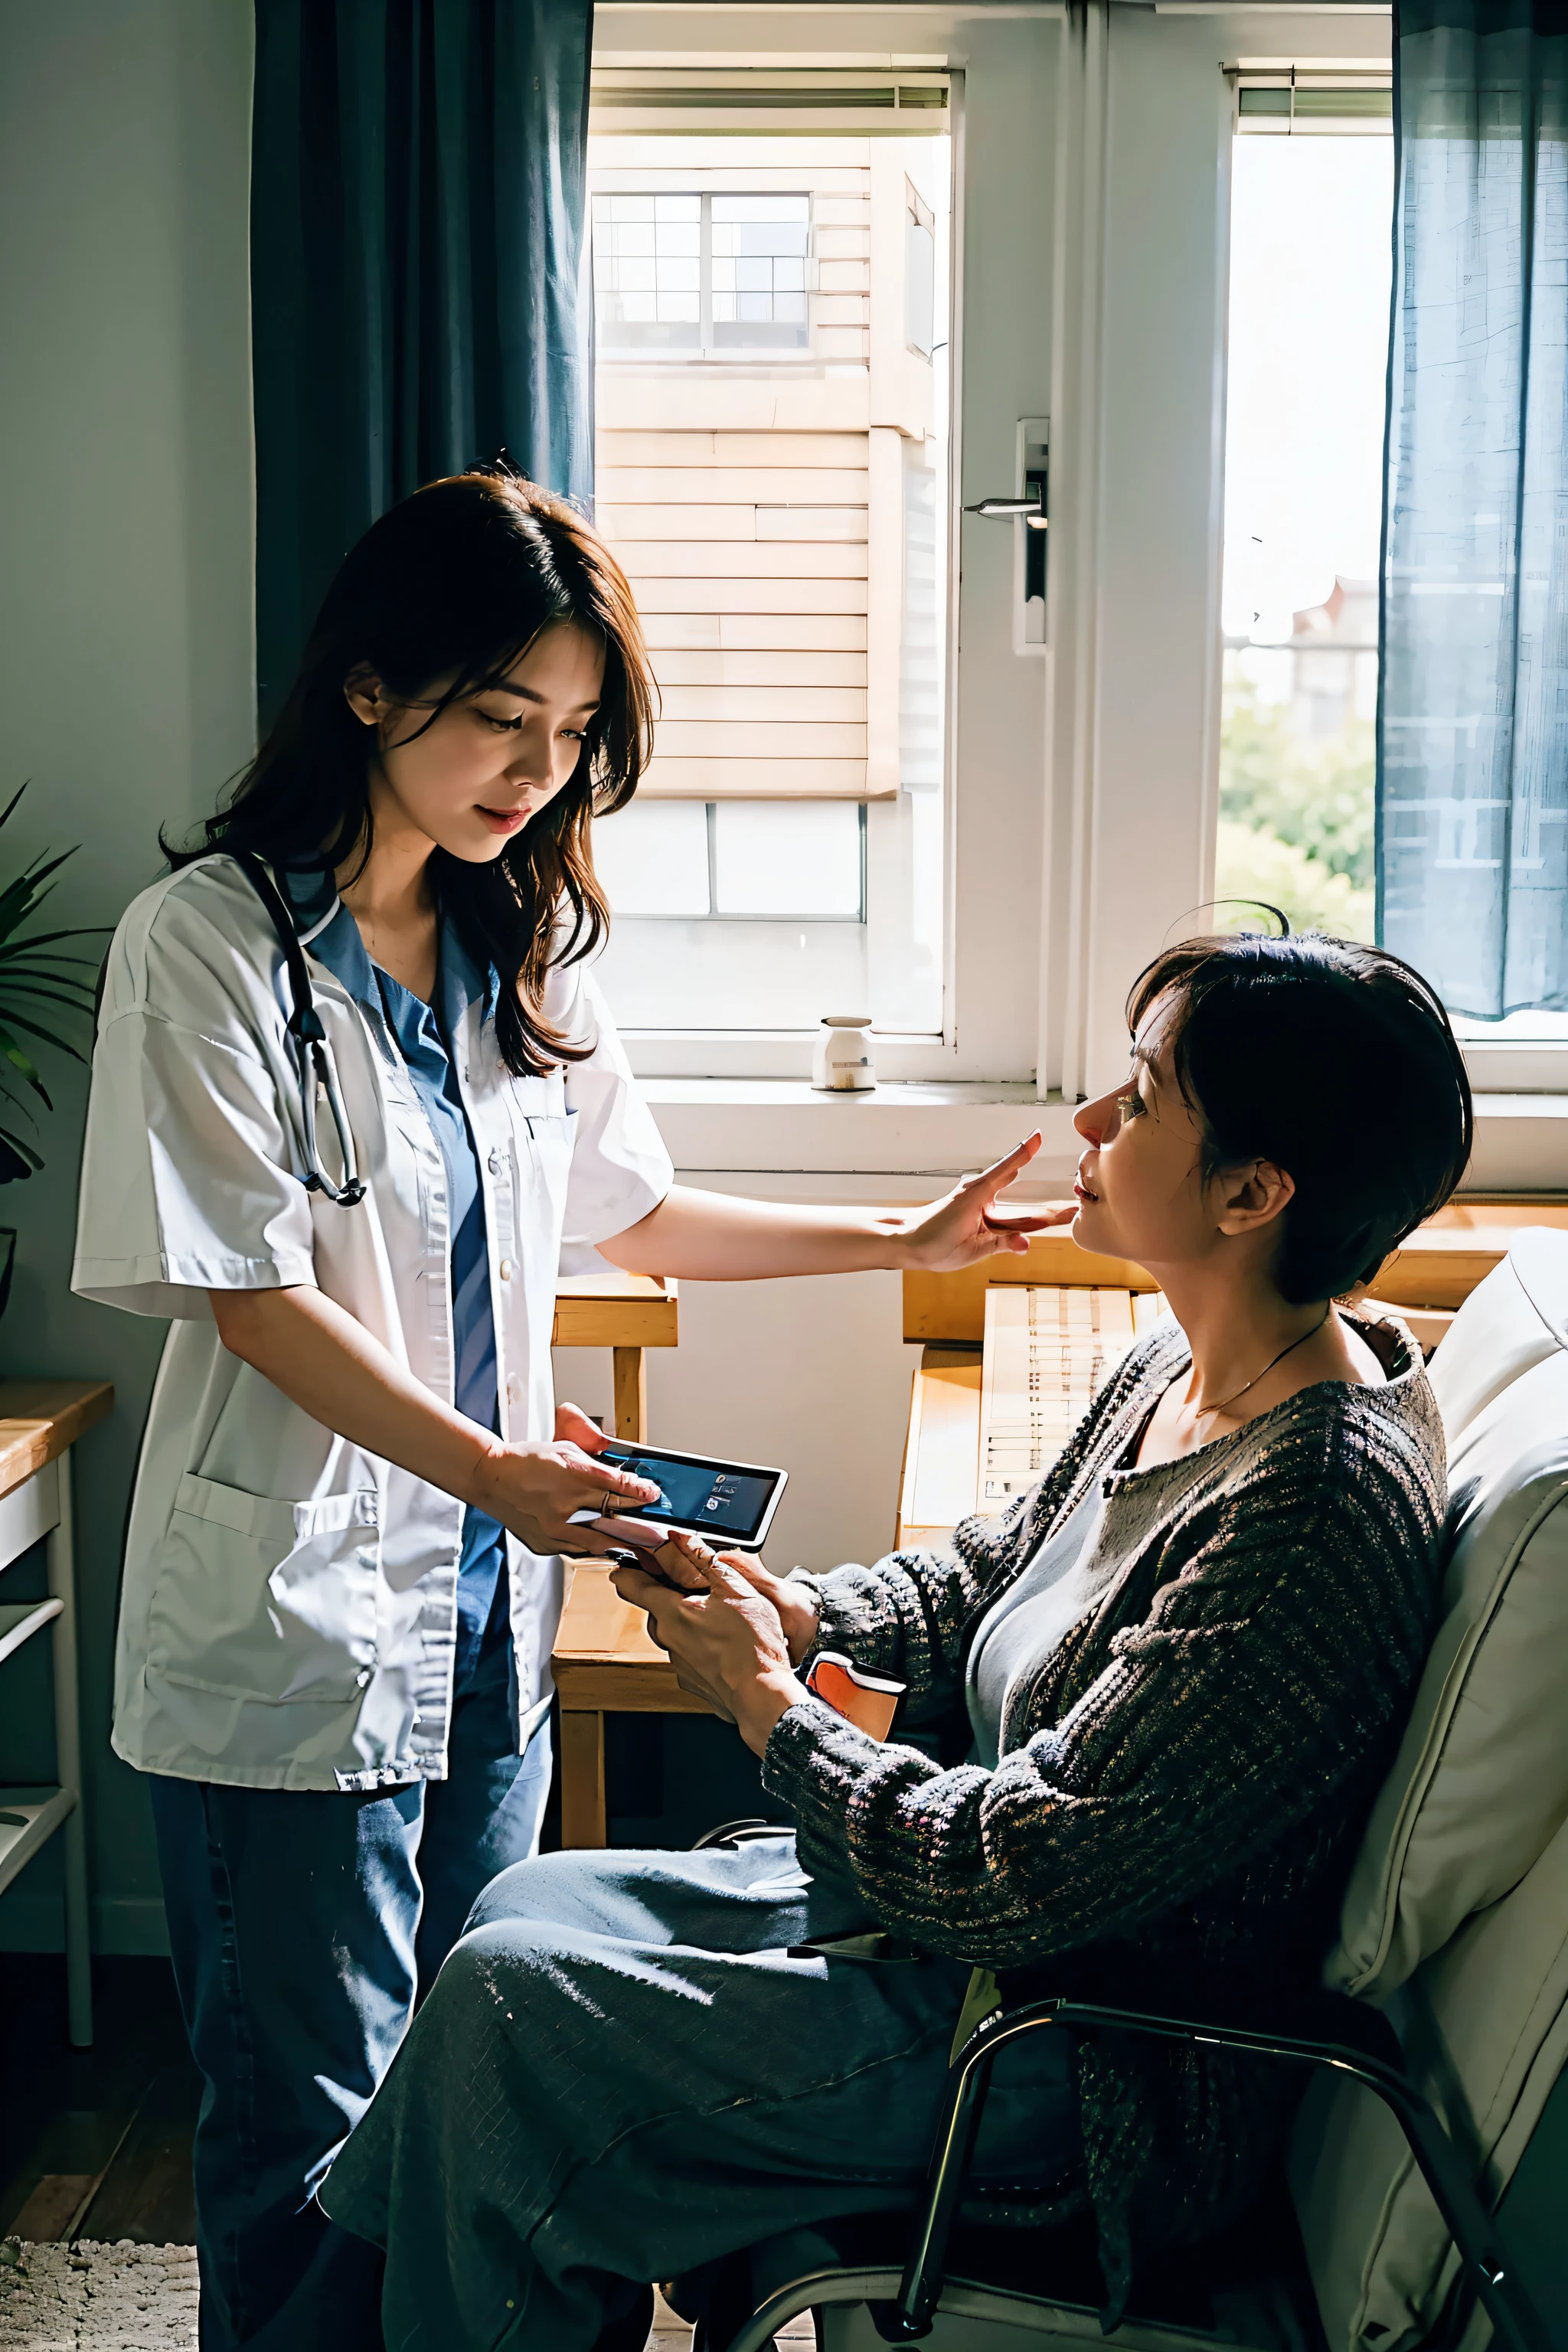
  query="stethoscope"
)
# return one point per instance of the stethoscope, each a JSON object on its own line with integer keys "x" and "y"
{"x": 311, "y": 1053}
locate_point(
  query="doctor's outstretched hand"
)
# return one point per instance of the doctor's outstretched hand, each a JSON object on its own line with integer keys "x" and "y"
{"x": 967, "y": 1225}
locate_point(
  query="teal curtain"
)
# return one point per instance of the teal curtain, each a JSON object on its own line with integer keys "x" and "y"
{"x": 1473, "y": 723}
{"x": 420, "y": 289}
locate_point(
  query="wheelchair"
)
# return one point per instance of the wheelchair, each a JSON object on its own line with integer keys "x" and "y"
{"x": 963, "y": 2272}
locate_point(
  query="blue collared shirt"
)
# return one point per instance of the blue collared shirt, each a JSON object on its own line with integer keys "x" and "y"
{"x": 423, "y": 1034}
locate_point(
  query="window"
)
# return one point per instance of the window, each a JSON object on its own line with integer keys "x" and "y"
{"x": 772, "y": 470}
{"x": 1307, "y": 363}
{"x": 696, "y": 272}
{"x": 758, "y": 245}
{"x": 737, "y": 860}
{"x": 1308, "y": 353}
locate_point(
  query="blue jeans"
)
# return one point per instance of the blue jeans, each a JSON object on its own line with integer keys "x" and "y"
{"x": 303, "y": 1928}
{"x": 633, "y": 2066}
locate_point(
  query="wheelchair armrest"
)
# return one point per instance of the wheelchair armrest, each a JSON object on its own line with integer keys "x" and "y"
{"x": 1322, "y": 2029}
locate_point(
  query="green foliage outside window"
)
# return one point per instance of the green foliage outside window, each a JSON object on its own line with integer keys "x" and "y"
{"x": 1296, "y": 815}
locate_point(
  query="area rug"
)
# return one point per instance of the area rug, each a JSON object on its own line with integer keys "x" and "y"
{"x": 128, "y": 2298}
{"x": 96, "y": 2298}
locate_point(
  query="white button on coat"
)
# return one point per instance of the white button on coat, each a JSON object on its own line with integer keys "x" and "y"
{"x": 288, "y": 1614}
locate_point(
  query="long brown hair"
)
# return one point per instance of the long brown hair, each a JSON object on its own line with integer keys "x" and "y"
{"x": 439, "y": 599}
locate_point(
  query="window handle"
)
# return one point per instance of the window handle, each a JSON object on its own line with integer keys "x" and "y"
{"x": 1032, "y": 509}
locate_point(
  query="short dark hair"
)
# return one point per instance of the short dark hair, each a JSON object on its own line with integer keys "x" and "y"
{"x": 1335, "y": 1060}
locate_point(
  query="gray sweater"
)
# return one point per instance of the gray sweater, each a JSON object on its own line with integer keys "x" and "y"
{"x": 1195, "y": 1759}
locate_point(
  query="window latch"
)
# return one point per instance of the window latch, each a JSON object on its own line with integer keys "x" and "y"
{"x": 1028, "y": 504}
{"x": 1032, "y": 509}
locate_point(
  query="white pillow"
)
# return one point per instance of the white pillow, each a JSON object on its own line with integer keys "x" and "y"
{"x": 1480, "y": 1784}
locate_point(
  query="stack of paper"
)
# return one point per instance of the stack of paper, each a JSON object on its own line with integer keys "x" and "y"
{"x": 1049, "y": 1352}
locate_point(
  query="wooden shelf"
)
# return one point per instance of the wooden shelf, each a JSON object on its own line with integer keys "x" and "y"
{"x": 1437, "y": 1268}
{"x": 39, "y": 1419}
{"x": 948, "y": 1310}
{"x": 615, "y": 1310}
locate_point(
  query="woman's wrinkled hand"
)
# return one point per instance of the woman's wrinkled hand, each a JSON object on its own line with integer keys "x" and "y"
{"x": 967, "y": 1226}
{"x": 533, "y": 1489}
{"x": 721, "y": 1629}
{"x": 796, "y": 1607}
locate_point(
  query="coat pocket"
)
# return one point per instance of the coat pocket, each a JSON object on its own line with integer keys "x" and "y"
{"x": 545, "y": 1146}
{"x": 257, "y": 1597}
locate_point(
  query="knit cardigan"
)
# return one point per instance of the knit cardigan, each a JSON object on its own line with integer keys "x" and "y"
{"x": 1195, "y": 1759}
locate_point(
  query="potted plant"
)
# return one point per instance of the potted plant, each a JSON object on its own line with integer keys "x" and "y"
{"x": 42, "y": 995}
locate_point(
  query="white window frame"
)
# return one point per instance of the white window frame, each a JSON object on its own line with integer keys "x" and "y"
{"x": 995, "y": 703}
{"x": 1083, "y": 775}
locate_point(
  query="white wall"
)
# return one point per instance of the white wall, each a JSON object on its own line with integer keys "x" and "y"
{"x": 125, "y": 658}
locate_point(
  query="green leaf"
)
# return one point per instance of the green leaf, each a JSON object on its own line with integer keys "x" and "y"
{"x": 49, "y": 966}
{"x": 36, "y": 972}
{"x": 24, "y": 974}
{"x": 46, "y": 939}
{"x": 18, "y": 1060}
{"x": 11, "y": 1018}
{"x": 22, "y": 898}
{"x": 68, "y": 994}
{"x": 24, "y": 1154}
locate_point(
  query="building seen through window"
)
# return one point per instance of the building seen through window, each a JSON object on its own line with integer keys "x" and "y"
{"x": 772, "y": 470}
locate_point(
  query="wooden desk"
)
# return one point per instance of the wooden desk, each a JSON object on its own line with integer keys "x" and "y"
{"x": 626, "y": 1313}
{"x": 944, "y": 1474}
{"x": 1425, "y": 1282}
{"x": 602, "y": 1659}
{"x": 941, "y": 1480}
{"x": 603, "y": 1664}
{"x": 40, "y": 1421}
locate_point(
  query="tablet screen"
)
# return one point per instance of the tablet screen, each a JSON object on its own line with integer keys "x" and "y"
{"x": 726, "y": 1504}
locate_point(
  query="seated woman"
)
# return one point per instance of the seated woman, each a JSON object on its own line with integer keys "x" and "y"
{"x": 1152, "y": 1704}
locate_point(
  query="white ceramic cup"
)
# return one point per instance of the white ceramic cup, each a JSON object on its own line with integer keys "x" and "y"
{"x": 841, "y": 1060}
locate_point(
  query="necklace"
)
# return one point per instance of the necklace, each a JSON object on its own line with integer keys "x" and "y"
{"x": 1203, "y": 1411}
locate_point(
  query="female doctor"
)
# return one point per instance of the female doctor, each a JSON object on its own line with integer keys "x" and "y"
{"x": 353, "y": 1085}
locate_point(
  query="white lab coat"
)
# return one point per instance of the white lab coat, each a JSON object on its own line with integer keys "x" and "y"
{"x": 288, "y": 1616}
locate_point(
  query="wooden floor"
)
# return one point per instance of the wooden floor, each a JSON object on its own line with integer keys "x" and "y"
{"x": 96, "y": 2143}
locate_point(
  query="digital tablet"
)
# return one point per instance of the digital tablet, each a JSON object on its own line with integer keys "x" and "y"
{"x": 730, "y": 1503}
